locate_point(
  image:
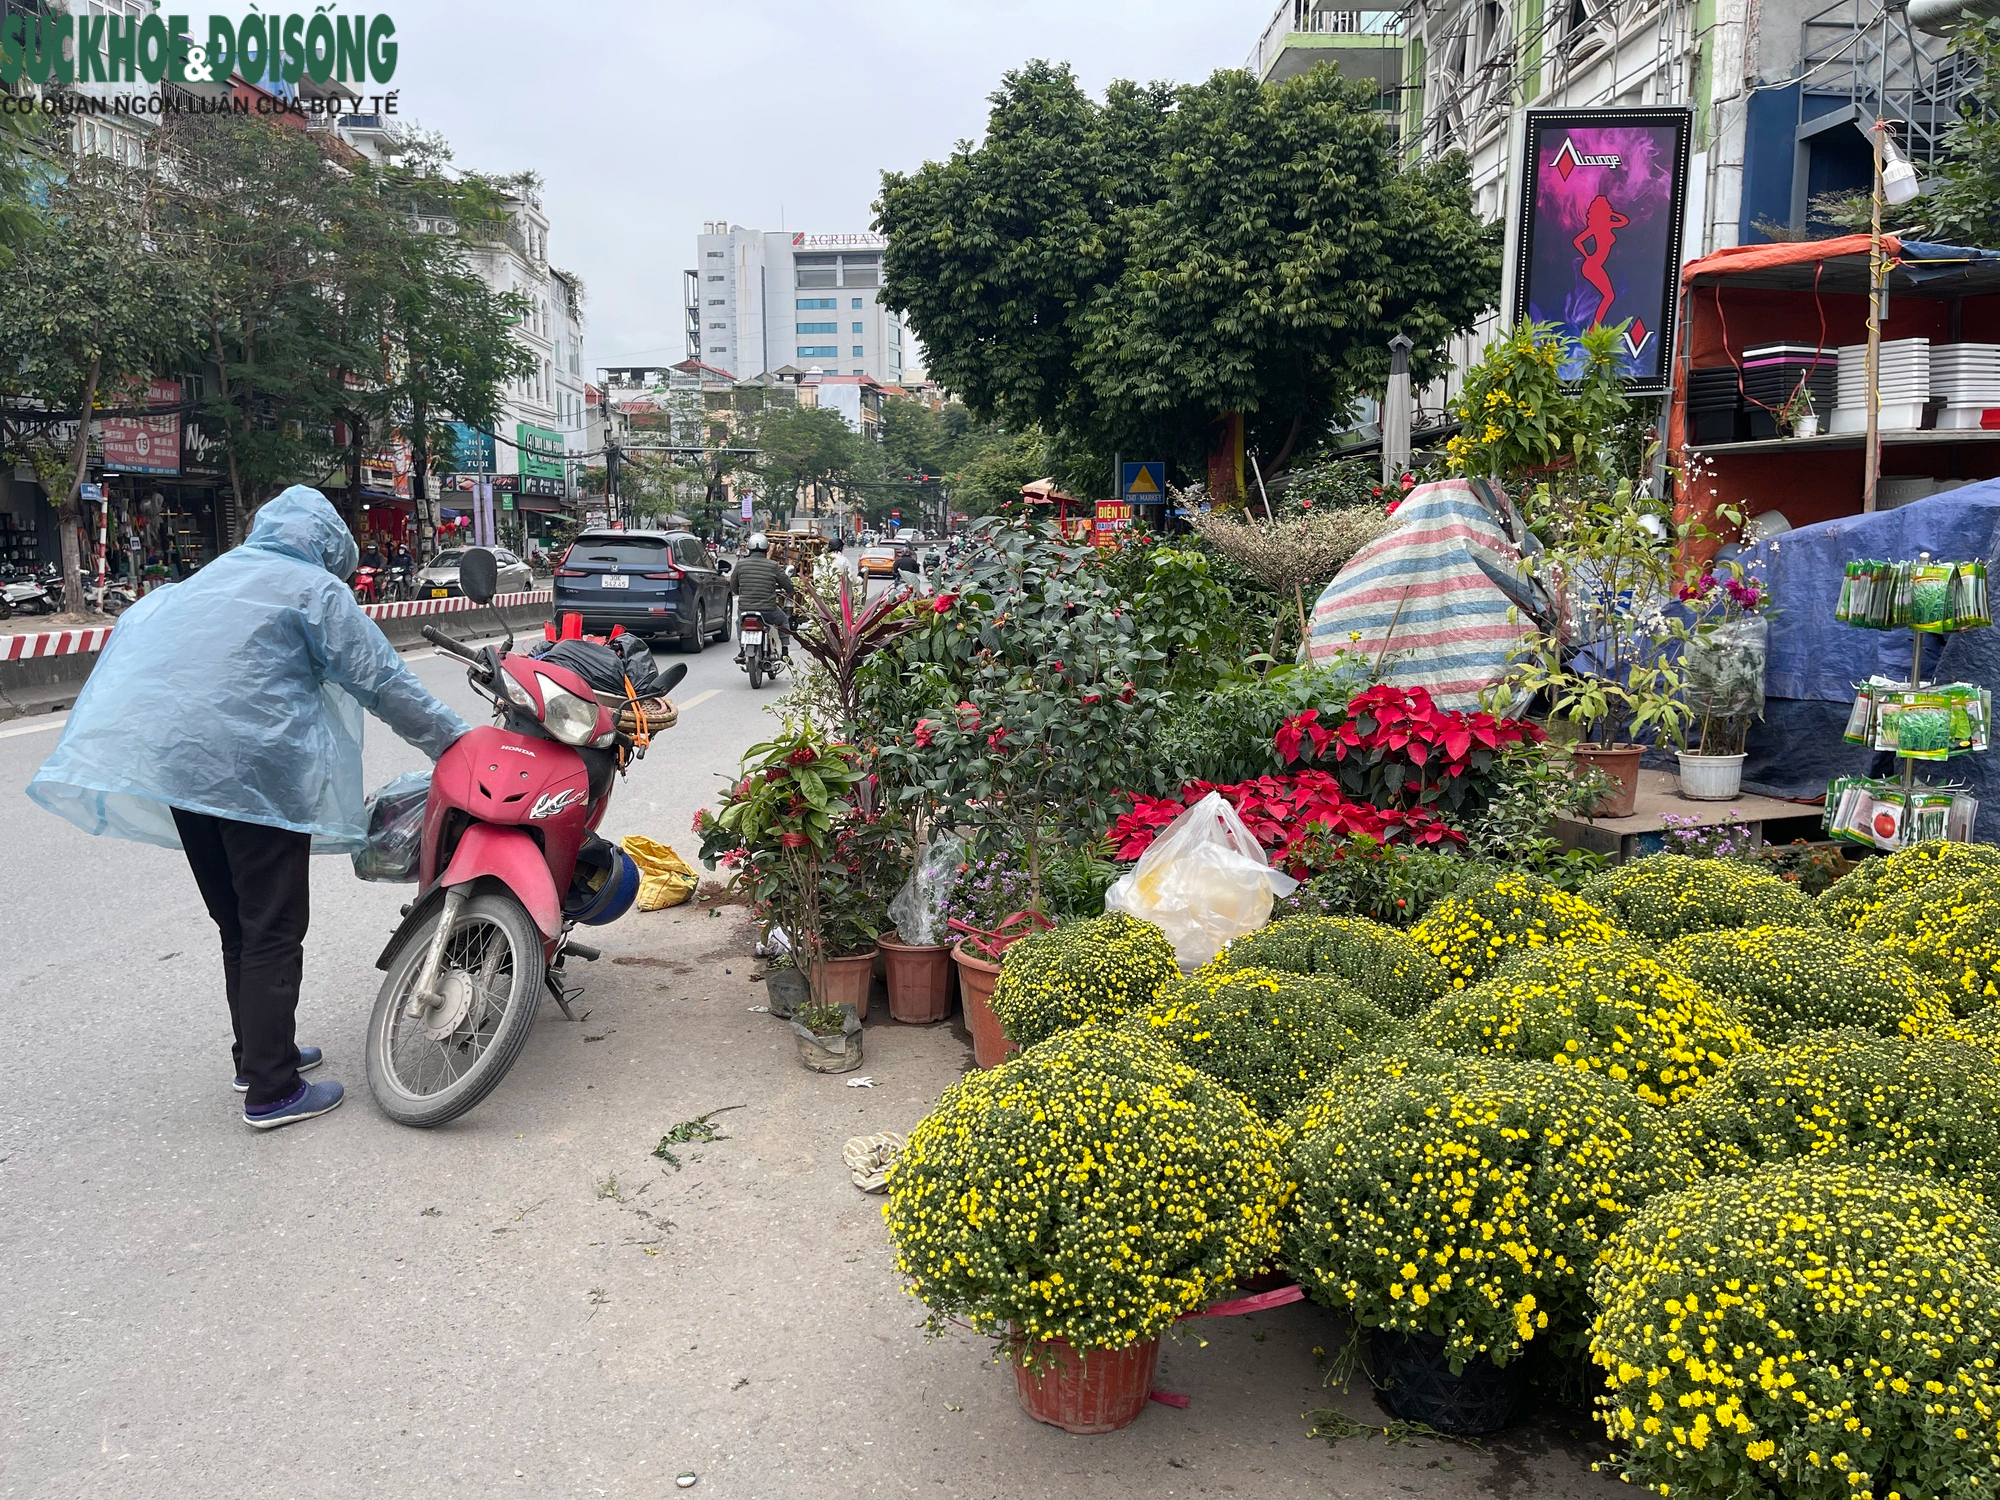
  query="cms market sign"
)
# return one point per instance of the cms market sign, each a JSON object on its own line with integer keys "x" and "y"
{"x": 274, "y": 49}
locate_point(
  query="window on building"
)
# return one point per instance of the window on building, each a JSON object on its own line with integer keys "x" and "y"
{"x": 715, "y": 278}
{"x": 819, "y": 351}
{"x": 816, "y": 270}
{"x": 857, "y": 328}
{"x": 858, "y": 372}
{"x": 818, "y": 304}
{"x": 715, "y": 302}
{"x": 861, "y": 270}
{"x": 858, "y": 303}
{"x": 805, "y": 328}
{"x": 724, "y": 327}
{"x": 712, "y": 349}
{"x": 858, "y": 352}
{"x": 712, "y": 255}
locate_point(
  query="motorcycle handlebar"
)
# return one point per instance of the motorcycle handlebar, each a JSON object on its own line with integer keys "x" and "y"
{"x": 445, "y": 643}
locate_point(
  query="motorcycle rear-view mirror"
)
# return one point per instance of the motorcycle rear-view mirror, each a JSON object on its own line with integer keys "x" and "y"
{"x": 479, "y": 575}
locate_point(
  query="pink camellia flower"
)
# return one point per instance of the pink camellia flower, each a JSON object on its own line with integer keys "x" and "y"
{"x": 968, "y": 715}
{"x": 942, "y": 603}
{"x": 924, "y": 732}
{"x": 1090, "y": 698}
{"x": 997, "y": 740}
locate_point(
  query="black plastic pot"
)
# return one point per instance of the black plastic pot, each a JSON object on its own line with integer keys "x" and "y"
{"x": 1414, "y": 1381}
{"x": 786, "y": 989}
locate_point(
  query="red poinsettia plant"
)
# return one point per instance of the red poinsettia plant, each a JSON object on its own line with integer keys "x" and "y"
{"x": 1282, "y": 811}
{"x": 1395, "y": 748}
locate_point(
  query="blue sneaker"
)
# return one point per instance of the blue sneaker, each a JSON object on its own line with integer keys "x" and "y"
{"x": 309, "y": 1058}
{"x": 311, "y": 1099}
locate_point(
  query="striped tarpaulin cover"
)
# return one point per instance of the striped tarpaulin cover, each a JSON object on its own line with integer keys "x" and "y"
{"x": 1437, "y": 590}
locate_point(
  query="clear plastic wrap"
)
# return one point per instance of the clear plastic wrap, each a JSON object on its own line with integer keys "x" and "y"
{"x": 1204, "y": 882}
{"x": 395, "y": 819}
{"x": 918, "y": 909}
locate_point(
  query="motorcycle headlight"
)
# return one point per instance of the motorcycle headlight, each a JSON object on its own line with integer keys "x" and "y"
{"x": 571, "y": 719}
{"x": 517, "y": 695}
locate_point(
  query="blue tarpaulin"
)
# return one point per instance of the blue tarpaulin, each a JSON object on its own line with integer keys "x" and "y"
{"x": 1816, "y": 661}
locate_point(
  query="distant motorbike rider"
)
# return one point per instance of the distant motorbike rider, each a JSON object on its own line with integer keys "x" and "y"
{"x": 760, "y": 585}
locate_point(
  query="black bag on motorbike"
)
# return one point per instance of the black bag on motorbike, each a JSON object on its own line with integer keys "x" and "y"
{"x": 603, "y": 667}
{"x": 395, "y": 830}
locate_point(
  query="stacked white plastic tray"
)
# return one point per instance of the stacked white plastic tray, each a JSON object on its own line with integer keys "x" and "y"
{"x": 1904, "y": 382}
{"x": 1966, "y": 378}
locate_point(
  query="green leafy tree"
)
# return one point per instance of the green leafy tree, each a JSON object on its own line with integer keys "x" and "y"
{"x": 89, "y": 311}
{"x": 24, "y": 168}
{"x": 1122, "y": 274}
{"x": 809, "y": 454}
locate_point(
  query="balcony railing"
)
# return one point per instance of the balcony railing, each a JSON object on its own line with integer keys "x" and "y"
{"x": 1304, "y": 17}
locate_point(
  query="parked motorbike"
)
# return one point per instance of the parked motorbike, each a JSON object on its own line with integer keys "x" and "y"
{"x": 510, "y": 861}
{"x": 762, "y": 647}
{"x": 26, "y": 594}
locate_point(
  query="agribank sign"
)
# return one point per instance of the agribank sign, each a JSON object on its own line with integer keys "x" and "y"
{"x": 271, "y": 50}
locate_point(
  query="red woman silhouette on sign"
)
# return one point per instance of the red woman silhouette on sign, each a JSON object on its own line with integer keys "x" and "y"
{"x": 1601, "y": 224}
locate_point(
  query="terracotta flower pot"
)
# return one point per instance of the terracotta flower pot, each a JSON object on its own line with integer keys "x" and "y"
{"x": 1621, "y": 764}
{"x": 846, "y": 981}
{"x": 919, "y": 976}
{"x": 976, "y": 977}
{"x": 1099, "y": 1390}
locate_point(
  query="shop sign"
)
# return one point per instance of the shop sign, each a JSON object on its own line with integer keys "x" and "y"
{"x": 541, "y": 454}
{"x": 1143, "y": 482}
{"x": 146, "y": 445}
{"x": 472, "y": 449}
{"x": 386, "y": 471}
{"x": 1598, "y": 240}
{"x": 1113, "y": 517}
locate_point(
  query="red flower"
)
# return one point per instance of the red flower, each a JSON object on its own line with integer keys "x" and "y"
{"x": 942, "y": 603}
{"x": 773, "y": 773}
{"x": 1126, "y": 695}
{"x": 1090, "y": 698}
{"x": 997, "y": 740}
{"x": 805, "y": 755}
{"x": 1391, "y": 508}
{"x": 925, "y": 730}
{"x": 968, "y": 715}
{"x": 792, "y": 840}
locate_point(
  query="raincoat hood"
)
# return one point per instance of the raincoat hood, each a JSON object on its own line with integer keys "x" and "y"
{"x": 239, "y": 694}
{"x": 302, "y": 523}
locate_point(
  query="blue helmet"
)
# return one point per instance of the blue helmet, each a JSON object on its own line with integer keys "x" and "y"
{"x": 605, "y": 884}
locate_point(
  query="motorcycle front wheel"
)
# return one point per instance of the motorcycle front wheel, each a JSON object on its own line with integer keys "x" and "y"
{"x": 424, "y": 1070}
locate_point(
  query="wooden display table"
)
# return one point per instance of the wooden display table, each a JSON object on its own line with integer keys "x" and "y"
{"x": 1768, "y": 820}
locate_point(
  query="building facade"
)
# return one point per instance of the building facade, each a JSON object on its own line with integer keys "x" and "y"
{"x": 759, "y": 300}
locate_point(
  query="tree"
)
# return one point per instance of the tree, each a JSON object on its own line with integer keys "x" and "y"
{"x": 1121, "y": 275}
{"x": 1963, "y": 206}
{"x": 91, "y": 308}
{"x": 277, "y": 235}
{"x": 24, "y": 168}
{"x": 808, "y": 454}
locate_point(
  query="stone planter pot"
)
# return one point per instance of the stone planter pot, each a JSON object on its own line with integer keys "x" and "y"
{"x": 1621, "y": 764}
{"x": 1711, "y": 778}
{"x": 1415, "y": 1382}
{"x": 786, "y": 991}
{"x": 1099, "y": 1390}
{"x": 976, "y": 978}
{"x": 840, "y": 1053}
{"x": 919, "y": 978}
{"x": 846, "y": 981}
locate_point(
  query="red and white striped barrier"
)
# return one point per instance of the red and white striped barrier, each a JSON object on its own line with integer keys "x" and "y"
{"x": 402, "y": 609}
{"x": 22, "y": 645}
{"x": 19, "y": 646}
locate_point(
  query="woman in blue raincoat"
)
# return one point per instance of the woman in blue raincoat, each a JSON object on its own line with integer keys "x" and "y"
{"x": 224, "y": 719}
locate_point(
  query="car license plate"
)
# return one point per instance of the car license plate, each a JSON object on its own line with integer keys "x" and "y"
{"x": 440, "y": 593}
{"x": 614, "y": 581}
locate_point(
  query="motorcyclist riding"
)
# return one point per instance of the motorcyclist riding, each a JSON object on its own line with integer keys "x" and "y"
{"x": 759, "y": 584}
{"x": 224, "y": 719}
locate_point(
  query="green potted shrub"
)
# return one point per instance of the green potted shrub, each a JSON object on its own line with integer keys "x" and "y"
{"x": 1454, "y": 1207}
{"x": 1813, "y": 1331}
{"x": 1790, "y": 980}
{"x": 1389, "y": 966}
{"x": 1074, "y": 1202}
{"x": 1271, "y": 1036}
{"x": 1094, "y": 970}
{"x": 1724, "y": 653}
{"x": 828, "y": 1036}
{"x": 1482, "y": 924}
{"x": 1664, "y": 896}
{"x": 1606, "y": 1008}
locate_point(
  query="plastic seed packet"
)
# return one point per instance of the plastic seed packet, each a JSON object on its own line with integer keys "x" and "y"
{"x": 1931, "y": 723}
{"x": 1932, "y": 596}
{"x": 1865, "y": 810}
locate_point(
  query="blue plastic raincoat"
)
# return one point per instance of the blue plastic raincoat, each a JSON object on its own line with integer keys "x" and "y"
{"x": 239, "y": 693}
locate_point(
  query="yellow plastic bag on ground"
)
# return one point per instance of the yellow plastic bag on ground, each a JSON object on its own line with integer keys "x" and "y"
{"x": 664, "y": 878}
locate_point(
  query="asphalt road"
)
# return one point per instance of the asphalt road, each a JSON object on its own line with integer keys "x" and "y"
{"x": 527, "y": 1301}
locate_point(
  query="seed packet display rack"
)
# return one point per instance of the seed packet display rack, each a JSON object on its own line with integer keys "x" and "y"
{"x": 1926, "y": 598}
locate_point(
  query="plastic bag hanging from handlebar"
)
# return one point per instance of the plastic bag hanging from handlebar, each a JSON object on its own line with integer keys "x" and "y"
{"x": 395, "y": 814}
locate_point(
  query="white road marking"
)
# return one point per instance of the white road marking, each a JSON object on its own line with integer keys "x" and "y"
{"x": 698, "y": 699}
{"x": 53, "y": 721}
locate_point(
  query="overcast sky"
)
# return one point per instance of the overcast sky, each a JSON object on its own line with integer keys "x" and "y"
{"x": 644, "y": 119}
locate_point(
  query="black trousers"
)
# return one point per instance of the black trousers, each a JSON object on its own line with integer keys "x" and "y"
{"x": 255, "y": 882}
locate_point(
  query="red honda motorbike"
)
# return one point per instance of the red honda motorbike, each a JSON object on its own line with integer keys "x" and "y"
{"x": 510, "y": 861}
{"x": 366, "y": 589}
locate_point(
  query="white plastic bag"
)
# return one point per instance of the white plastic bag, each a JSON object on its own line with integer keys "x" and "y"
{"x": 918, "y": 910}
{"x": 1203, "y": 882}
